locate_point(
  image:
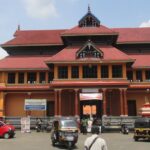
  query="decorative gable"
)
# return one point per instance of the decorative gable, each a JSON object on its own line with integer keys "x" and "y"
{"x": 89, "y": 50}
{"x": 89, "y": 20}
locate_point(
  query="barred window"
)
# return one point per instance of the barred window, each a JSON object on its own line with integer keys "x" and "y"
{"x": 21, "y": 77}
{"x": 90, "y": 71}
{"x": 104, "y": 71}
{"x": 11, "y": 77}
{"x": 75, "y": 72}
{"x": 62, "y": 72}
{"x": 117, "y": 71}
{"x": 147, "y": 73}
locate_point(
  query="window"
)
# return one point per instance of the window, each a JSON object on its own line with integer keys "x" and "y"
{"x": 21, "y": 77}
{"x": 50, "y": 76}
{"x": 11, "y": 77}
{"x": 139, "y": 75}
{"x": 42, "y": 77}
{"x": 130, "y": 75}
{"x": 89, "y": 71}
{"x": 117, "y": 71}
{"x": 62, "y": 72}
{"x": 147, "y": 73}
{"x": 75, "y": 72}
{"x": 104, "y": 71}
{"x": 31, "y": 77}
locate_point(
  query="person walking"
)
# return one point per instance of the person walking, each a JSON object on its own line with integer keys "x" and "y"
{"x": 95, "y": 142}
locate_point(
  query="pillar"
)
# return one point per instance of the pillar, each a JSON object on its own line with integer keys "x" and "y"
{"x": 134, "y": 75}
{"x": 16, "y": 78}
{"x": 56, "y": 102}
{"x": 104, "y": 102}
{"x": 2, "y": 104}
{"x": 59, "y": 102}
{"x": 69, "y": 71}
{"x": 55, "y": 71}
{"x": 121, "y": 102}
{"x": 46, "y": 77}
{"x": 25, "y": 77}
{"x": 124, "y": 71}
{"x": 99, "y": 71}
{"x": 143, "y": 75}
{"x": 76, "y": 103}
{"x": 125, "y": 102}
{"x": 80, "y": 72}
{"x": 38, "y": 77}
{"x": 110, "y": 71}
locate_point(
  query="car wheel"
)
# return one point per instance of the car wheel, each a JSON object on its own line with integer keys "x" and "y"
{"x": 53, "y": 143}
{"x": 135, "y": 139}
{"x": 6, "y": 136}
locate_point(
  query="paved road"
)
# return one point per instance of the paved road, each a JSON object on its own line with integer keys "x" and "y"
{"x": 41, "y": 141}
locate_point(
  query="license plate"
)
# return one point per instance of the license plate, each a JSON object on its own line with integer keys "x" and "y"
{"x": 70, "y": 138}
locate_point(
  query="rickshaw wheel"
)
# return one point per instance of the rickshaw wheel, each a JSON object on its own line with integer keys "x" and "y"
{"x": 135, "y": 139}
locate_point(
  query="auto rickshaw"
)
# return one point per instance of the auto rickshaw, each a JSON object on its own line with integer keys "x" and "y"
{"x": 64, "y": 131}
{"x": 142, "y": 129}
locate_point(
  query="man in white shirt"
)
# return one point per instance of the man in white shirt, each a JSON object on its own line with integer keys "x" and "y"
{"x": 95, "y": 142}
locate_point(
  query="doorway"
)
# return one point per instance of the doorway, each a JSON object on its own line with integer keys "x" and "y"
{"x": 91, "y": 108}
{"x": 132, "y": 108}
{"x": 50, "y": 108}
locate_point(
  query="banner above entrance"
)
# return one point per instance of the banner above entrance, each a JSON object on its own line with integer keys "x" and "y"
{"x": 91, "y": 96}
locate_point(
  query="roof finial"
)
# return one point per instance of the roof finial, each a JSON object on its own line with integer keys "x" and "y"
{"x": 89, "y": 9}
{"x": 18, "y": 27}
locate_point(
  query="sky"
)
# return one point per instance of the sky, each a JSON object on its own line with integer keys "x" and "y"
{"x": 65, "y": 14}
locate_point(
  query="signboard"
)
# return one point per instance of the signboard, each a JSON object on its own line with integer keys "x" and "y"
{"x": 35, "y": 104}
{"x": 91, "y": 96}
{"x": 25, "y": 124}
{"x": 88, "y": 90}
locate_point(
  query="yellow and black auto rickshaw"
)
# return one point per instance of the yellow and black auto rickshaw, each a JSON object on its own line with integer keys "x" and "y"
{"x": 142, "y": 128}
{"x": 65, "y": 131}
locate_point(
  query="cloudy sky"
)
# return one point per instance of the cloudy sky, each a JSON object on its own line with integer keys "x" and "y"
{"x": 63, "y": 14}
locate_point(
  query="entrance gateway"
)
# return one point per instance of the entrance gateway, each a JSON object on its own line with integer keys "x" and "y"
{"x": 90, "y": 103}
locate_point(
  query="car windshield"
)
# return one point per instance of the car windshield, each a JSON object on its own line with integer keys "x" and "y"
{"x": 68, "y": 123}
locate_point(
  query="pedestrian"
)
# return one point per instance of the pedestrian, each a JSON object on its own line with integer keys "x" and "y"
{"x": 95, "y": 142}
{"x": 84, "y": 126}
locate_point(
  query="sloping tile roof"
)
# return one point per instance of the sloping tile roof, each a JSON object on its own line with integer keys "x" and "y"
{"x": 35, "y": 37}
{"x": 68, "y": 54}
{"x": 24, "y": 62}
{"x": 141, "y": 61}
{"x": 133, "y": 35}
{"x": 101, "y": 30}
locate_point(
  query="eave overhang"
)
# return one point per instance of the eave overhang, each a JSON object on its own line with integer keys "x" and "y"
{"x": 88, "y": 83}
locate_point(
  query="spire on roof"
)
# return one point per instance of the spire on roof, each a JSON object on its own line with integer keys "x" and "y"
{"x": 89, "y": 20}
{"x": 89, "y": 8}
{"x": 18, "y": 27}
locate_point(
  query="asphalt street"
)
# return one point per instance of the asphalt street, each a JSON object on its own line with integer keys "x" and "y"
{"x": 41, "y": 141}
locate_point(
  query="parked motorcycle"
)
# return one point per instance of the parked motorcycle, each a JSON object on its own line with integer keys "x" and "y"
{"x": 43, "y": 126}
{"x": 124, "y": 129}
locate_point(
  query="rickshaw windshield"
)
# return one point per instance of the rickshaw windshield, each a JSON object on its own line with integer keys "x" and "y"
{"x": 68, "y": 123}
{"x": 144, "y": 123}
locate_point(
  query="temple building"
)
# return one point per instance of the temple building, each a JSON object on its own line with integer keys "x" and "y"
{"x": 89, "y": 69}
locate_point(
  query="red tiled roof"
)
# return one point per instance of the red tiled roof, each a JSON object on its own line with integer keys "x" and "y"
{"x": 141, "y": 61}
{"x": 88, "y": 83}
{"x": 35, "y": 37}
{"x": 89, "y": 31}
{"x": 68, "y": 54}
{"x": 24, "y": 62}
{"x": 133, "y": 35}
